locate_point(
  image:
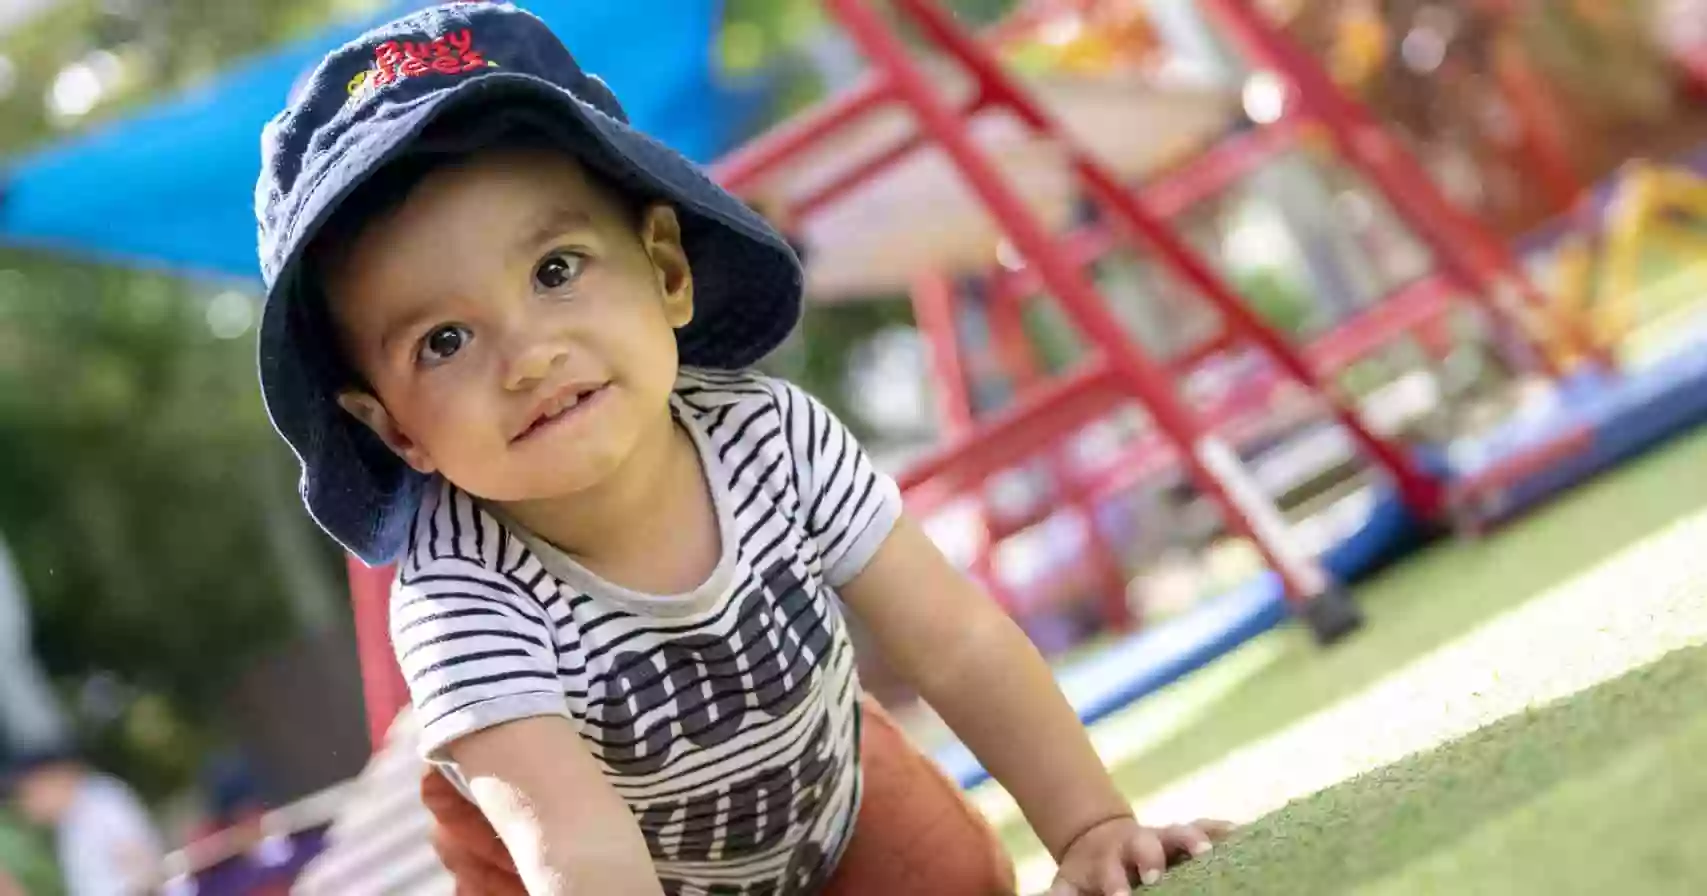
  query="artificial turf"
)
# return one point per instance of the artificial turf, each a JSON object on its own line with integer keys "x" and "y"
{"x": 1406, "y": 845}
{"x": 1601, "y": 792}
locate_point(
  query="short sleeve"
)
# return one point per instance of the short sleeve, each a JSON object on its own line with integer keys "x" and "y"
{"x": 475, "y": 650}
{"x": 850, "y": 505}
{"x": 125, "y": 826}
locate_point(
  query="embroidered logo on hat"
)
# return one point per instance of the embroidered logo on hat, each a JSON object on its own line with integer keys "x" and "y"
{"x": 448, "y": 54}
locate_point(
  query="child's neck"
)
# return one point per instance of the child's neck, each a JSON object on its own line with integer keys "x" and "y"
{"x": 659, "y": 498}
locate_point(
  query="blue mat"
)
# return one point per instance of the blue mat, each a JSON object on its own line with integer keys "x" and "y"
{"x": 1626, "y": 416}
{"x": 1160, "y": 655}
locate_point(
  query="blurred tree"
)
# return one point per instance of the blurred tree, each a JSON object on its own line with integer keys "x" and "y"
{"x": 149, "y": 504}
{"x": 138, "y": 474}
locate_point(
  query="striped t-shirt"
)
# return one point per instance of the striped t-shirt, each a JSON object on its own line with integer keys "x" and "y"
{"x": 725, "y": 717}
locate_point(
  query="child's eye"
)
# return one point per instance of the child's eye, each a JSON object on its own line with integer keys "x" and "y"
{"x": 559, "y": 269}
{"x": 442, "y": 342}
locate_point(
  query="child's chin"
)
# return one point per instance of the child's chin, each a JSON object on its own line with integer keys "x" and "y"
{"x": 564, "y": 478}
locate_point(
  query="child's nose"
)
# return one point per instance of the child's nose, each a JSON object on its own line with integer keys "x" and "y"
{"x": 532, "y": 362}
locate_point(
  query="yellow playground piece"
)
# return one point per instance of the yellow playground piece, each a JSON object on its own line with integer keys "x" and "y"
{"x": 1597, "y": 279}
{"x": 1360, "y": 46}
{"x": 1100, "y": 38}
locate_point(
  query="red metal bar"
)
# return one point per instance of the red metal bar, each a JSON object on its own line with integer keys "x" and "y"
{"x": 1421, "y": 492}
{"x": 1160, "y": 458}
{"x": 1014, "y": 354}
{"x": 933, "y": 312}
{"x": 1694, "y": 63}
{"x": 1543, "y": 145}
{"x": 1149, "y": 454}
{"x": 1174, "y": 192}
{"x": 742, "y": 169}
{"x": 1363, "y": 142}
{"x": 1488, "y": 273}
{"x": 1401, "y": 313}
{"x": 1015, "y": 434}
{"x": 1188, "y": 360}
{"x": 1077, "y": 296}
{"x": 846, "y": 181}
{"x": 1080, "y": 247}
{"x": 1013, "y": 344}
{"x": 1236, "y": 415}
{"x": 1239, "y": 419}
{"x": 383, "y": 689}
{"x": 1542, "y": 456}
{"x": 1479, "y": 499}
{"x": 1216, "y": 169}
{"x": 1027, "y": 429}
{"x": 870, "y": 168}
{"x": 1407, "y": 309}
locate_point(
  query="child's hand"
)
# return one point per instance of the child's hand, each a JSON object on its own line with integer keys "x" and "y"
{"x": 1104, "y": 860}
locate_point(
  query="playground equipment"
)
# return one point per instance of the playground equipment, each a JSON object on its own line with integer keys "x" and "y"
{"x": 857, "y": 170}
{"x": 787, "y": 166}
{"x": 1511, "y": 467}
{"x": 1123, "y": 369}
{"x": 1513, "y": 95}
{"x": 1597, "y": 267}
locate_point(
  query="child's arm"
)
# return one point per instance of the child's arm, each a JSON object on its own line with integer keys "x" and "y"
{"x": 983, "y": 676}
{"x": 564, "y": 826}
{"x": 479, "y": 653}
{"x": 968, "y": 659}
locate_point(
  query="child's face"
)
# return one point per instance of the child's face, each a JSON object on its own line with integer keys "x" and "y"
{"x": 516, "y": 324}
{"x": 44, "y": 793}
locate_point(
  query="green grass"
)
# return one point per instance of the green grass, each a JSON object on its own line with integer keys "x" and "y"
{"x": 1603, "y": 791}
{"x": 1414, "y": 608}
{"x": 1432, "y": 599}
{"x": 27, "y": 856}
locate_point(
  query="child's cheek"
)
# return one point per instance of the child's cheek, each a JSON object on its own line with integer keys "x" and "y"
{"x": 450, "y": 393}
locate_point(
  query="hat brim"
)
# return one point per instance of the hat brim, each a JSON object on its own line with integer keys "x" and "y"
{"x": 747, "y": 293}
{"x": 19, "y": 767}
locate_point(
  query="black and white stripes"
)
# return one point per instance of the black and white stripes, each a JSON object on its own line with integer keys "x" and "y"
{"x": 725, "y": 717}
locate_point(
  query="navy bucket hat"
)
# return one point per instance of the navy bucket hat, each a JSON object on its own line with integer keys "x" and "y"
{"x": 481, "y": 70}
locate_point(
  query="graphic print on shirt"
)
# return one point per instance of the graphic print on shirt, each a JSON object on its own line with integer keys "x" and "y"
{"x": 725, "y": 719}
{"x": 701, "y": 687}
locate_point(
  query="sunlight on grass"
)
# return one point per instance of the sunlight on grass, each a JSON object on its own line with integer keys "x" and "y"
{"x": 1635, "y": 826}
{"x": 1598, "y": 792}
{"x": 1596, "y": 541}
{"x": 1148, "y": 725}
{"x": 1625, "y": 613}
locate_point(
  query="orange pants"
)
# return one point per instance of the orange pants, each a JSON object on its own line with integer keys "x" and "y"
{"x": 916, "y": 835}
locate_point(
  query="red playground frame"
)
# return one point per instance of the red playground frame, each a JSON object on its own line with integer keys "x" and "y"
{"x": 1472, "y": 265}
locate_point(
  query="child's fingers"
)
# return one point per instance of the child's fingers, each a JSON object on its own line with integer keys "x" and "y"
{"x": 1216, "y": 830}
{"x": 1063, "y": 887}
{"x": 1185, "y": 839}
{"x": 1145, "y": 853}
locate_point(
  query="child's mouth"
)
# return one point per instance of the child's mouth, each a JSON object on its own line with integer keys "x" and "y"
{"x": 568, "y": 406}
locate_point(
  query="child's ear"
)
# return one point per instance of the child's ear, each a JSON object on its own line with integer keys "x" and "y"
{"x": 661, "y": 235}
{"x": 374, "y": 416}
